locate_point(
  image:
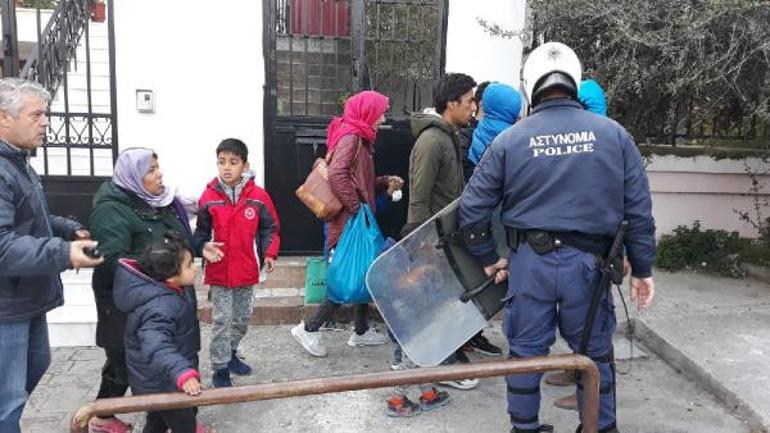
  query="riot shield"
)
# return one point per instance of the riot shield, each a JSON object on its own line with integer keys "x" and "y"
{"x": 418, "y": 285}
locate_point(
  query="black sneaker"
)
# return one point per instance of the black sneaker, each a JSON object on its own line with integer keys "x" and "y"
{"x": 482, "y": 345}
{"x": 544, "y": 428}
{"x": 461, "y": 357}
{"x": 237, "y": 366}
{"x": 221, "y": 378}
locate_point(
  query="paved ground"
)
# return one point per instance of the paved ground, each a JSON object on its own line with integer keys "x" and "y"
{"x": 652, "y": 397}
{"x": 715, "y": 330}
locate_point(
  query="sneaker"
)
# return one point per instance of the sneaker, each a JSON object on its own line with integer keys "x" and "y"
{"x": 402, "y": 407}
{"x": 221, "y": 378}
{"x": 544, "y": 428}
{"x": 432, "y": 399}
{"x": 237, "y": 366}
{"x": 109, "y": 425}
{"x": 310, "y": 341}
{"x": 333, "y": 325}
{"x": 481, "y": 344}
{"x": 463, "y": 384}
{"x": 461, "y": 357}
{"x": 369, "y": 338}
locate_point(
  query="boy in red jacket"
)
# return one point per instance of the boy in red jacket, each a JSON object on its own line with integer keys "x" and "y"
{"x": 243, "y": 220}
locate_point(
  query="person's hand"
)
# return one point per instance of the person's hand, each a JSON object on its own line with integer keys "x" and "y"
{"x": 192, "y": 386}
{"x": 642, "y": 292}
{"x": 626, "y": 266}
{"x": 79, "y": 259}
{"x": 394, "y": 183}
{"x": 269, "y": 264}
{"x": 499, "y": 270}
{"x": 82, "y": 234}
{"x": 212, "y": 251}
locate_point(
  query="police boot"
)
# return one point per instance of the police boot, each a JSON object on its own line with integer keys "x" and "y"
{"x": 612, "y": 428}
{"x": 544, "y": 428}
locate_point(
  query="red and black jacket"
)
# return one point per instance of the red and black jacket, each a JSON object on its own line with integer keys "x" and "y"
{"x": 249, "y": 229}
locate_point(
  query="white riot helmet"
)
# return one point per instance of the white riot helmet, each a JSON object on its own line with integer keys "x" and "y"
{"x": 549, "y": 65}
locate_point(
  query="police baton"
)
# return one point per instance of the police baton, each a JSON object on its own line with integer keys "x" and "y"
{"x": 607, "y": 268}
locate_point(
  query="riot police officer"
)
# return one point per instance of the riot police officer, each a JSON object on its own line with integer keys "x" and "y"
{"x": 566, "y": 178}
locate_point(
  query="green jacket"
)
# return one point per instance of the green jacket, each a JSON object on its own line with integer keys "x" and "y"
{"x": 435, "y": 168}
{"x": 123, "y": 224}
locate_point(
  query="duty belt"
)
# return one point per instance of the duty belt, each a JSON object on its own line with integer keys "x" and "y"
{"x": 543, "y": 242}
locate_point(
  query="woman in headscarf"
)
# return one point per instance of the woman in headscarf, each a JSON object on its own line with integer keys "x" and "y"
{"x": 130, "y": 211}
{"x": 501, "y": 105}
{"x": 350, "y": 148}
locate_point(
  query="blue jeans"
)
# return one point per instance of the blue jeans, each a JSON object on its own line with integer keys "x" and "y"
{"x": 24, "y": 358}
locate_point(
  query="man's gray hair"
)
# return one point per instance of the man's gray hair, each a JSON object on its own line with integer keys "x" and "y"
{"x": 12, "y": 89}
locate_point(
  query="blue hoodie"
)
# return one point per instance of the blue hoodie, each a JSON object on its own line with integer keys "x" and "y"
{"x": 592, "y": 97}
{"x": 502, "y": 104}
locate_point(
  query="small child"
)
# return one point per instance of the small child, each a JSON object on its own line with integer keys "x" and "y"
{"x": 245, "y": 225}
{"x": 162, "y": 336}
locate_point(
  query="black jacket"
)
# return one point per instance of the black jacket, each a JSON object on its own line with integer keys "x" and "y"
{"x": 33, "y": 249}
{"x": 162, "y": 335}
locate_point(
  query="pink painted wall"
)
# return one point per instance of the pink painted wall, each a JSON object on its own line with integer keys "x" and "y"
{"x": 686, "y": 189}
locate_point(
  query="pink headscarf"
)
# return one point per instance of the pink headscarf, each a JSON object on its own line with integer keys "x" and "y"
{"x": 361, "y": 111}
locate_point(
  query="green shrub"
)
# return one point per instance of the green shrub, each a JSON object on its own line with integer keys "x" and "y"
{"x": 714, "y": 251}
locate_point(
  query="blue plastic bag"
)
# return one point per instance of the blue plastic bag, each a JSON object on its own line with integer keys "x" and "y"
{"x": 359, "y": 245}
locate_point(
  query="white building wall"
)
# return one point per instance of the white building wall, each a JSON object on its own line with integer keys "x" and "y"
{"x": 205, "y": 67}
{"x": 472, "y": 51}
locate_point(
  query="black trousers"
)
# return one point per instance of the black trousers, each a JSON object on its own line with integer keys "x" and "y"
{"x": 178, "y": 420}
{"x": 326, "y": 310}
{"x": 114, "y": 375}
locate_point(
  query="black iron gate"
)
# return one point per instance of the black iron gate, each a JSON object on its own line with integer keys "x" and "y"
{"x": 81, "y": 144}
{"x": 317, "y": 53}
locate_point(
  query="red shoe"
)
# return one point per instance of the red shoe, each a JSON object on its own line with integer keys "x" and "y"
{"x": 109, "y": 425}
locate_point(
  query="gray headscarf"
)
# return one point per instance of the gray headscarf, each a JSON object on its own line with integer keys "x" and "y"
{"x": 130, "y": 168}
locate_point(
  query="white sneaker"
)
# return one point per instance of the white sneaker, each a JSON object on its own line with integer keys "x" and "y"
{"x": 311, "y": 341}
{"x": 464, "y": 384}
{"x": 369, "y": 338}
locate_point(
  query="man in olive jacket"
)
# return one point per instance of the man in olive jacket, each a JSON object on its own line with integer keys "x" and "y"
{"x": 435, "y": 163}
{"x": 34, "y": 248}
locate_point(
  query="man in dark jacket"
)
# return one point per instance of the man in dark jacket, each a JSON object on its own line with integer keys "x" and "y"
{"x": 34, "y": 249}
{"x": 566, "y": 179}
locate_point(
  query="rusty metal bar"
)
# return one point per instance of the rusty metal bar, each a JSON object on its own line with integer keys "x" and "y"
{"x": 267, "y": 391}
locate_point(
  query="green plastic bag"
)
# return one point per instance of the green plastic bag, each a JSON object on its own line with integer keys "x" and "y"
{"x": 315, "y": 280}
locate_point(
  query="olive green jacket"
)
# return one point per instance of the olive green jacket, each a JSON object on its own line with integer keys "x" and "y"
{"x": 435, "y": 168}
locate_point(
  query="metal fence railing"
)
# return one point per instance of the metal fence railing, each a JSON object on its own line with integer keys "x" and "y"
{"x": 267, "y": 391}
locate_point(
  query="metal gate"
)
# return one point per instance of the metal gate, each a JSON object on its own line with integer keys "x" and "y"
{"x": 318, "y": 52}
{"x": 68, "y": 46}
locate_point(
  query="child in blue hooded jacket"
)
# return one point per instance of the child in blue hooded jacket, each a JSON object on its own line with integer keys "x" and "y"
{"x": 162, "y": 336}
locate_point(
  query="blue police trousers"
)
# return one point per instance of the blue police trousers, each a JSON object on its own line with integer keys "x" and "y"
{"x": 543, "y": 292}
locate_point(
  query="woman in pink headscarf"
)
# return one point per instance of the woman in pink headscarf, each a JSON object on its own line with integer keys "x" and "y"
{"x": 349, "y": 150}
